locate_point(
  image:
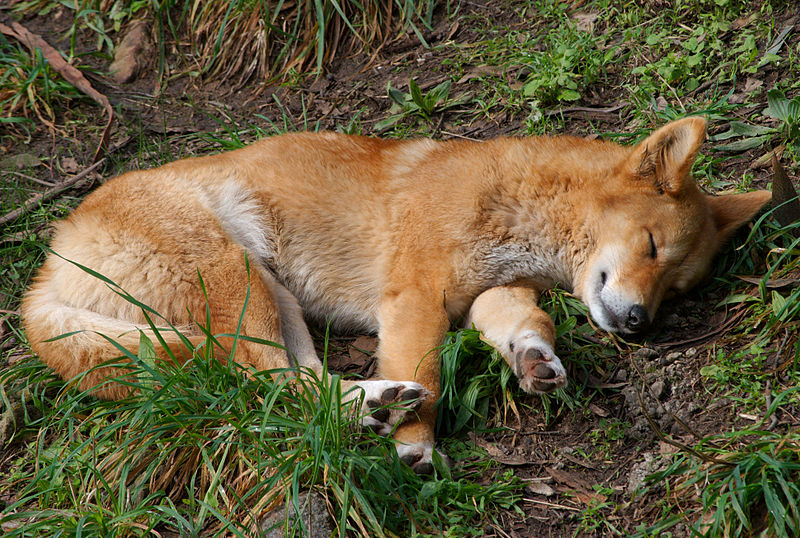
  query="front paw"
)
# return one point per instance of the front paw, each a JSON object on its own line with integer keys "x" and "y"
{"x": 536, "y": 366}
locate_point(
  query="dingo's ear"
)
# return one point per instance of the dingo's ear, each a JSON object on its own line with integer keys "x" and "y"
{"x": 734, "y": 210}
{"x": 666, "y": 156}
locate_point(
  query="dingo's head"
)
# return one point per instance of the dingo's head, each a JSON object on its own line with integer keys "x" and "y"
{"x": 656, "y": 232}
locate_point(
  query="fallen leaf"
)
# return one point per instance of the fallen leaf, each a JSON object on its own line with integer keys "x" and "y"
{"x": 480, "y": 71}
{"x": 752, "y": 84}
{"x": 540, "y": 488}
{"x": 581, "y": 488}
{"x": 772, "y": 283}
{"x": 784, "y": 196}
{"x": 667, "y": 448}
{"x": 496, "y": 454}
{"x": 597, "y": 410}
{"x": 20, "y": 161}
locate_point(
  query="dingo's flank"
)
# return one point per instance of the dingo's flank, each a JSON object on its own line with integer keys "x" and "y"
{"x": 400, "y": 238}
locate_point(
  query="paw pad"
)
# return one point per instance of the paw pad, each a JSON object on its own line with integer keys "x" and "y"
{"x": 386, "y": 403}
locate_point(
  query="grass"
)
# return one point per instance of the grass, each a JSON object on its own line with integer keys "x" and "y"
{"x": 209, "y": 449}
{"x": 29, "y": 89}
{"x": 248, "y": 41}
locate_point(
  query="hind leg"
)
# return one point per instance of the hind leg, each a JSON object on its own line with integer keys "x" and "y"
{"x": 384, "y": 403}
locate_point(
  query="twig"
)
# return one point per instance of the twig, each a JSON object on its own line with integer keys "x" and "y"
{"x": 551, "y": 505}
{"x": 34, "y": 179}
{"x": 49, "y": 194}
{"x": 588, "y": 110}
{"x": 456, "y": 135}
{"x": 727, "y": 324}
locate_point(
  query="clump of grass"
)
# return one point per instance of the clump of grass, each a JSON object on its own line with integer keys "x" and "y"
{"x": 746, "y": 484}
{"x": 473, "y": 376}
{"x": 255, "y": 40}
{"x": 28, "y": 86}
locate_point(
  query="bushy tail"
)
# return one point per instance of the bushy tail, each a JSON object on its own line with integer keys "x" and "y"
{"x": 93, "y": 340}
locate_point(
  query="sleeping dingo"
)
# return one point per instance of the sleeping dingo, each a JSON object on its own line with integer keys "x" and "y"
{"x": 400, "y": 238}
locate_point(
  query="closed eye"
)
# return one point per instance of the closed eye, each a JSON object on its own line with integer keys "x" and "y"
{"x": 653, "y": 249}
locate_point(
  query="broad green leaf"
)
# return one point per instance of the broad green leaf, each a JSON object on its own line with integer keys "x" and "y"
{"x": 416, "y": 93}
{"x": 743, "y": 144}
{"x": 739, "y": 128}
{"x": 396, "y": 95}
{"x": 388, "y": 122}
{"x": 781, "y": 108}
{"x": 568, "y": 95}
{"x": 147, "y": 354}
{"x": 778, "y": 303}
{"x": 440, "y": 92}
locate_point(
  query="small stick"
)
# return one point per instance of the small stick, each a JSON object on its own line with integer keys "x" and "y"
{"x": 551, "y": 505}
{"x": 34, "y": 201}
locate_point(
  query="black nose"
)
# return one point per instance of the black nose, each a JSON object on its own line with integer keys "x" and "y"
{"x": 638, "y": 319}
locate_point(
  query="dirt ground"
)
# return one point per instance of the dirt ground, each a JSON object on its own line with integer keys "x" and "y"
{"x": 655, "y": 387}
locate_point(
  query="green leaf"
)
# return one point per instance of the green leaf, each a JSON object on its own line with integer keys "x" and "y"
{"x": 568, "y": 95}
{"x": 530, "y": 88}
{"x": 739, "y": 128}
{"x": 781, "y": 108}
{"x": 388, "y": 122}
{"x": 441, "y": 92}
{"x": 744, "y": 144}
{"x": 147, "y": 354}
{"x": 416, "y": 93}
{"x": 396, "y": 95}
{"x": 778, "y": 304}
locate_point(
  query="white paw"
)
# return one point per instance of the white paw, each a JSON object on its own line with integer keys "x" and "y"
{"x": 386, "y": 403}
{"x": 418, "y": 456}
{"x": 535, "y": 364}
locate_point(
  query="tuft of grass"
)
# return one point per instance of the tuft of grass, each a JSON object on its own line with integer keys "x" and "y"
{"x": 473, "y": 377}
{"x": 29, "y": 87}
{"x": 747, "y": 483}
{"x": 253, "y": 41}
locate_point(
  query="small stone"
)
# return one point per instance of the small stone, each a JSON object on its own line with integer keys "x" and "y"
{"x": 645, "y": 353}
{"x": 659, "y": 389}
{"x": 672, "y": 357}
{"x": 313, "y": 511}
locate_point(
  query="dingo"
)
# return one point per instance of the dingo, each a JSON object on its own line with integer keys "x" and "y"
{"x": 400, "y": 238}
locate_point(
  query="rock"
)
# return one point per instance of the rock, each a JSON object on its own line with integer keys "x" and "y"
{"x": 315, "y": 517}
{"x": 132, "y": 54}
{"x": 645, "y": 353}
{"x": 640, "y": 471}
{"x": 659, "y": 389}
